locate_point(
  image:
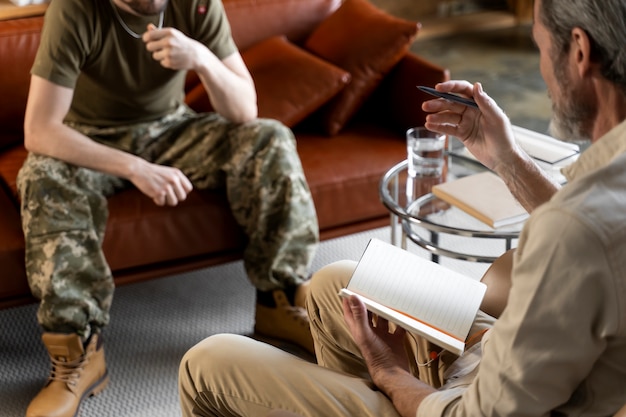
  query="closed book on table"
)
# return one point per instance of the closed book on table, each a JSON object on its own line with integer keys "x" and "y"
{"x": 484, "y": 196}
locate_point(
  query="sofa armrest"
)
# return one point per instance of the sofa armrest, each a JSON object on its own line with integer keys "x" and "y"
{"x": 13, "y": 286}
{"x": 397, "y": 100}
{"x": 19, "y": 40}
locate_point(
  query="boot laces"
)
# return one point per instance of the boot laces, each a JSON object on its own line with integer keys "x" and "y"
{"x": 298, "y": 314}
{"x": 67, "y": 372}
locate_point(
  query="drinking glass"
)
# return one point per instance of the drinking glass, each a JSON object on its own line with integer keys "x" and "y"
{"x": 425, "y": 152}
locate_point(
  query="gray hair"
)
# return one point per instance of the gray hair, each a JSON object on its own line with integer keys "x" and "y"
{"x": 604, "y": 21}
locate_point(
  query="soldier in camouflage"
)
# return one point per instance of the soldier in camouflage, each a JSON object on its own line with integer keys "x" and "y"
{"x": 256, "y": 163}
{"x": 88, "y": 140}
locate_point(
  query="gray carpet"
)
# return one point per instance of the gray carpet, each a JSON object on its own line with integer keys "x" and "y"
{"x": 152, "y": 325}
{"x": 506, "y": 61}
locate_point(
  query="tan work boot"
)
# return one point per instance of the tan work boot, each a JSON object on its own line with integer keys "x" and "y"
{"x": 76, "y": 374}
{"x": 285, "y": 321}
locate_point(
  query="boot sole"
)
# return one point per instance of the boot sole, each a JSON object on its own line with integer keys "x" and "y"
{"x": 95, "y": 389}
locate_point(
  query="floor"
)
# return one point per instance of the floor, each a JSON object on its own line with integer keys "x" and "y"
{"x": 505, "y": 61}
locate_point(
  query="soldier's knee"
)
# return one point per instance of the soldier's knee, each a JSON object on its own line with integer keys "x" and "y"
{"x": 277, "y": 131}
{"x": 37, "y": 167}
{"x": 39, "y": 172}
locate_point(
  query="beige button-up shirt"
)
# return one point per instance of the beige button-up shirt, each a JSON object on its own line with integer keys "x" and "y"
{"x": 560, "y": 346}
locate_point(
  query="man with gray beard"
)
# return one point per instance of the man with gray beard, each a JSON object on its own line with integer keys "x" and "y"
{"x": 559, "y": 346}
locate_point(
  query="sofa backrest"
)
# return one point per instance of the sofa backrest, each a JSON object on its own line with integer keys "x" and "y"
{"x": 255, "y": 20}
{"x": 19, "y": 40}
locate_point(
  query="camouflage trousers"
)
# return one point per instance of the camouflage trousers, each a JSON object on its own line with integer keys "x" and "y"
{"x": 64, "y": 208}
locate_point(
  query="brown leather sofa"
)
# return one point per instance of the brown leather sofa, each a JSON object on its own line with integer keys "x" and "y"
{"x": 309, "y": 58}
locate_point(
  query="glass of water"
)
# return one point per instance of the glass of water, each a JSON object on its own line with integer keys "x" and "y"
{"x": 425, "y": 152}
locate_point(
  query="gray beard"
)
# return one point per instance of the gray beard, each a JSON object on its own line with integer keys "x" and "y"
{"x": 567, "y": 133}
{"x": 571, "y": 120}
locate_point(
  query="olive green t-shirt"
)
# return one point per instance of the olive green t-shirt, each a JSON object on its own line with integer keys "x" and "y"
{"x": 115, "y": 79}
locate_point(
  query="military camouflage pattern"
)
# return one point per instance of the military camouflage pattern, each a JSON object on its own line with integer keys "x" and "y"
{"x": 64, "y": 208}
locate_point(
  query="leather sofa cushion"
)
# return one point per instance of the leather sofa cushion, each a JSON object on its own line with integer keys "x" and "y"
{"x": 291, "y": 83}
{"x": 200, "y": 225}
{"x": 11, "y": 161}
{"x": 344, "y": 172}
{"x": 21, "y": 35}
{"x": 11, "y": 249}
{"x": 295, "y": 19}
{"x": 364, "y": 41}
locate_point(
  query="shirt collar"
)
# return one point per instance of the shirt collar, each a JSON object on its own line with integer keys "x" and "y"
{"x": 599, "y": 154}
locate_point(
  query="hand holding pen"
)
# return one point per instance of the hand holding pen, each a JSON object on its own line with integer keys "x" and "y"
{"x": 466, "y": 112}
{"x": 450, "y": 97}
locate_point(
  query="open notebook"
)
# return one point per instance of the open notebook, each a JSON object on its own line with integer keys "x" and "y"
{"x": 417, "y": 294}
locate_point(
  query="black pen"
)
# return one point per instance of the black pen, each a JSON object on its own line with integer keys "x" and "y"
{"x": 447, "y": 96}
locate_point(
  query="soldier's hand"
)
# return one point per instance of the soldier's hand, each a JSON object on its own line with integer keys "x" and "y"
{"x": 171, "y": 48}
{"x": 164, "y": 185}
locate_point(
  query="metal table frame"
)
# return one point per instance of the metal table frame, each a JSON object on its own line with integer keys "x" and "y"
{"x": 389, "y": 190}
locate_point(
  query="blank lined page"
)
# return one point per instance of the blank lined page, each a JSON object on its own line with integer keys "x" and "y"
{"x": 426, "y": 291}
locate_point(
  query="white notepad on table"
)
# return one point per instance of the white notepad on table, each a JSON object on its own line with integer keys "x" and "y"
{"x": 543, "y": 147}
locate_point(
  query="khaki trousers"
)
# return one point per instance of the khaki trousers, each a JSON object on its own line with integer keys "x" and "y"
{"x": 231, "y": 375}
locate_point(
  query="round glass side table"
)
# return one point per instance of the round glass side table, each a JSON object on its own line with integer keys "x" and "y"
{"x": 436, "y": 226}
